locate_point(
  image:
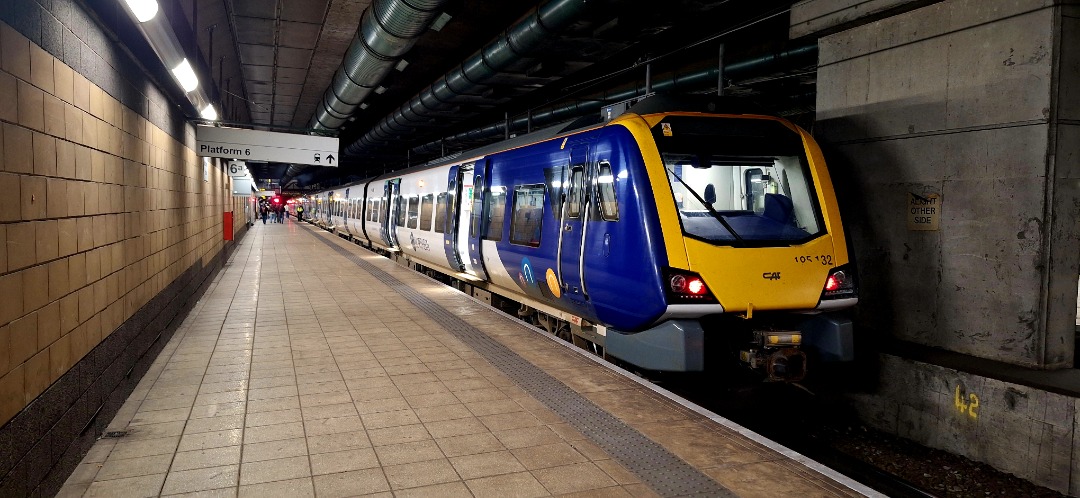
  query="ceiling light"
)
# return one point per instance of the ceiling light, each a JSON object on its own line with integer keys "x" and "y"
{"x": 144, "y": 10}
{"x": 401, "y": 65}
{"x": 185, "y": 75}
{"x": 364, "y": 105}
{"x": 380, "y": 89}
{"x": 209, "y": 113}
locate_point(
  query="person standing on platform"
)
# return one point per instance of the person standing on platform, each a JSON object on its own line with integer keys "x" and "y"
{"x": 299, "y": 213}
{"x": 264, "y": 212}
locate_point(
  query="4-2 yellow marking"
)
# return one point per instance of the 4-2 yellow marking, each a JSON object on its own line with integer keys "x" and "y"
{"x": 968, "y": 404}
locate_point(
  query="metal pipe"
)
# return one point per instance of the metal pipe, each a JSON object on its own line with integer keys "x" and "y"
{"x": 720, "y": 73}
{"x": 648, "y": 78}
{"x": 470, "y": 76}
{"x": 387, "y": 30}
{"x": 683, "y": 82}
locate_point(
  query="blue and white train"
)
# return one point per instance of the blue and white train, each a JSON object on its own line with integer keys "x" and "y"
{"x": 676, "y": 223}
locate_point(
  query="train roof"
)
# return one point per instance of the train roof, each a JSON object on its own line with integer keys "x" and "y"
{"x": 653, "y": 104}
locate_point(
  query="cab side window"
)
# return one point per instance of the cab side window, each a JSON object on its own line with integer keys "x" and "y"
{"x": 605, "y": 192}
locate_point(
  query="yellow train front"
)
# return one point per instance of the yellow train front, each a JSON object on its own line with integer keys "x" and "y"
{"x": 757, "y": 259}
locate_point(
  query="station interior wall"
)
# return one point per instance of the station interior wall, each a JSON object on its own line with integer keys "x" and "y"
{"x": 978, "y": 102}
{"x": 110, "y": 227}
{"x": 972, "y": 100}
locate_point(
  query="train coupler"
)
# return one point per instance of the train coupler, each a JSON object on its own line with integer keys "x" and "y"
{"x": 777, "y": 354}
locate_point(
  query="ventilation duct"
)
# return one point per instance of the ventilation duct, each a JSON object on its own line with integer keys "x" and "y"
{"x": 468, "y": 79}
{"x": 591, "y": 105}
{"x": 387, "y": 30}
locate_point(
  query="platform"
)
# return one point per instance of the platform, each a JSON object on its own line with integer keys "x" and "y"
{"x": 312, "y": 367}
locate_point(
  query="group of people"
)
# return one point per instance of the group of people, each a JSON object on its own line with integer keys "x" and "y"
{"x": 277, "y": 214}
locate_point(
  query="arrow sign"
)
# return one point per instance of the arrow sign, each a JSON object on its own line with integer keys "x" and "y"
{"x": 330, "y": 159}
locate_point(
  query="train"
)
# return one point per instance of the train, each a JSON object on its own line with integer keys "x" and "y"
{"x": 663, "y": 228}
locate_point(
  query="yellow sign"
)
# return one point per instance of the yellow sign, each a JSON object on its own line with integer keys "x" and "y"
{"x": 924, "y": 212}
{"x": 553, "y": 283}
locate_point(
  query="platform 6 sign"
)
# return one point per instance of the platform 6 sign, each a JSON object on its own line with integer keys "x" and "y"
{"x": 924, "y": 211}
{"x": 255, "y": 145}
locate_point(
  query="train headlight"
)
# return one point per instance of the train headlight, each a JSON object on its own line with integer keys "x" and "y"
{"x": 839, "y": 284}
{"x": 687, "y": 287}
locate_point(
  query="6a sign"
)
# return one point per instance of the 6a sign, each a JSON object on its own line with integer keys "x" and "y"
{"x": 237, "y": 168}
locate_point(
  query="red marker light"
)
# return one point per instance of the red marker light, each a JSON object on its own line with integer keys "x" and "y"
{"x": 687, "y": 285}
{"x": 835, "y": 281}
{"x": 695, "y": 286}
{"x": 277, "y": 200}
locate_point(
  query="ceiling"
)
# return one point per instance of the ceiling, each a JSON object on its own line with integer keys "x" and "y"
{"x": 273, "y": 60}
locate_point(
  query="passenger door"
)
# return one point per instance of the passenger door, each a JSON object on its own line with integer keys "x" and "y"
{"x": 450, "y": 234}
{"x": 574, "y": 223}
{"x": 477, "y": 220}
{"x": 390, "y": 193}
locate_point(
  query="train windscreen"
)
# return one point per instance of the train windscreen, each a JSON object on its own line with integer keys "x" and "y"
{"x": 739, "y": 180}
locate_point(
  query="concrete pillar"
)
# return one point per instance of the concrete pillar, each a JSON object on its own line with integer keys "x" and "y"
{"x": 971, "y": 107}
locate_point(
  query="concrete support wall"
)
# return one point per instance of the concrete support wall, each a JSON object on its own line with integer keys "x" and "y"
{"x": 968, "y": 100}
{"x": 1024, "y": 431}
{"x": 109, "y": 225}
{"x": 814, "y": 16}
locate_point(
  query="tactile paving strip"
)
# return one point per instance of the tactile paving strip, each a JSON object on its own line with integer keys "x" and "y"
{"x": 665, "y": 473}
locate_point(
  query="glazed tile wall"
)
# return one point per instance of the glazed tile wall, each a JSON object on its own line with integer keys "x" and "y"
{"x": 100, "y": 210}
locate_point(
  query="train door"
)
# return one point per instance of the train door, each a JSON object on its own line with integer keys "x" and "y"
{"x": 450, "y": 233}
{"x": 476, "y": 221}
{"x": 390, "y": 194}
{"x": 575, "y": 220}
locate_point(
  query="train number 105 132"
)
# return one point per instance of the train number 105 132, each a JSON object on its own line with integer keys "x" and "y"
{"x": 823, "y": 259}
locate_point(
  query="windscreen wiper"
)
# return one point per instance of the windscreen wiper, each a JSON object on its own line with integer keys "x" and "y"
{"x": 719, "y": 217}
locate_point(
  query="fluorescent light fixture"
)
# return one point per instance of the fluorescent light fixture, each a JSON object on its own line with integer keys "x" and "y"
{"x": 380, "y": 90}
{"x": 209, "y": 113}
{"x": 363, "y": 106}
{"x": 185, "y": 75}
{"x": 401, "y": 65}
{"x": 144, "y": 10}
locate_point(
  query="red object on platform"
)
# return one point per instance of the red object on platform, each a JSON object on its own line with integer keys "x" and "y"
{"x": 228, "y": 225}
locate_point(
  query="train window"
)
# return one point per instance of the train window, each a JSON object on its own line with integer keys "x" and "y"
{"x": 553, "y": 178}
{"x": 400, "y": 209}
{"x": 425, "y": 212}
{"x": 573, "y": 205}
{"x": 367, "y": 211}
{"x": 496, "y": 210}
{"x": 526, "y": 221}
{"x": 737, "y": 181}
{"x": 414, "y": 211}
{"x": 375, "y": 210}
{"x": 605, "y": 191}
{"x": 440, "y": 213}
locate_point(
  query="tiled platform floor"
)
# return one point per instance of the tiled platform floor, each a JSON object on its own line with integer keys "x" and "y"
{"x": 299, "y": 374}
